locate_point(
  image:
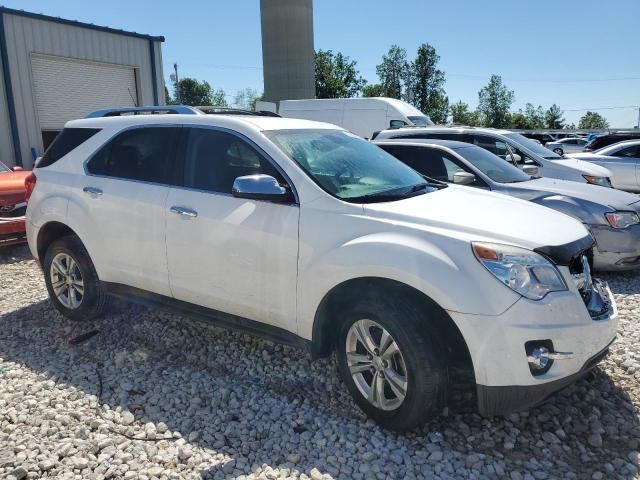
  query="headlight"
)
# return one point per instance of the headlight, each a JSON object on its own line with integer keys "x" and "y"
{"x": 525, "y": 272}
{"x": 601, "y": 181}
{"x": 622, "y": 219}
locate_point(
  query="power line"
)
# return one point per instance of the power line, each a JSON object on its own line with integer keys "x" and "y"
{"x": 601, "y": 108}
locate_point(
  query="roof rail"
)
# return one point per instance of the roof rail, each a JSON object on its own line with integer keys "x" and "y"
{"x": 218, "y": 110}
{"x": 154, "y": 109}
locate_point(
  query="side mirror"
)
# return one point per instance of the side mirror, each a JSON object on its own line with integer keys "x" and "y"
{"x": 261, "y": 187}
{"x": 530, "y": 170}
{"x": 17, "y": 169}
{"x": 516, "y": 158}
{"x": 463, "y": 178}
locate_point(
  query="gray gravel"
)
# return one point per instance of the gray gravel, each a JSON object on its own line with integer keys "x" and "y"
{"x": 155, "y": 395}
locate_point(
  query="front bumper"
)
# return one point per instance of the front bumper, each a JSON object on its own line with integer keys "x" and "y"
{"x": 12, "y": 231}
{"x": 497, "y": 345}
{"x": 616, "y": 249}
{"x": 514, "y": 398}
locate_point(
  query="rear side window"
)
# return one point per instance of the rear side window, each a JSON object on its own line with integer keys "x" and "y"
{"x": 142, "y": 154}
{"x": 69, "y": 139}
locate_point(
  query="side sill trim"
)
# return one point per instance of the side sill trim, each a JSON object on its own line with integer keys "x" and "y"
{"x": 214, "y": 317}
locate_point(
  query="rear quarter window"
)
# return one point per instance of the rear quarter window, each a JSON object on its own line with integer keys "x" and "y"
{"x": 69, "y": 139}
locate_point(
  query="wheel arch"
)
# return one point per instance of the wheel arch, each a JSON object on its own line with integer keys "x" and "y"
{"x": 326, "y": 320}
{"x": 49, "y": 233}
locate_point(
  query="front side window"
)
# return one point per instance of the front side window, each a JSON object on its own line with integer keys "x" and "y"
{"x": 348, "y": 167}
{"x": 632, "y": 152}
{"x": 422, "y": 120}
{"x": 492, "y": 166}
{"x": 214, "y": 159}
{"x": 536, "y": 148}
{"x": 142, "y": 154}
{"x": 432, "y": 162}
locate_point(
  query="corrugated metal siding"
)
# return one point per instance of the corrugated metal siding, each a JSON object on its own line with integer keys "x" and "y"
{"x": 27, "y": 36}
{"x": 69, "y": 89}
{"x": 6, "y": 145}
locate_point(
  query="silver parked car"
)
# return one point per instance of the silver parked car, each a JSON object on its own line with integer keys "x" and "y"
{"x": 567, "y": 145}
{"x": 622, "y": 159}
{"x": 612, "y": 216}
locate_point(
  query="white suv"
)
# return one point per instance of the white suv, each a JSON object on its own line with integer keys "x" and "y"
{"x": 307, "y": 234}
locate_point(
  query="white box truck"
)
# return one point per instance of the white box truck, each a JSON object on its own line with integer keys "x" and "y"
{"x": 361, "y": 116}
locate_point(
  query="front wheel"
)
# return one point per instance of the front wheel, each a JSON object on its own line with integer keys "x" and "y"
{"x": 559, "y": 151}
{"x": 389, "y": 360}
{"x": 72, "y": 281}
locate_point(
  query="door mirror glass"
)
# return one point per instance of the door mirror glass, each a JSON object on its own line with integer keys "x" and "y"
{"x": 261, "y": 187}
{"x": 17, "y": 169}
{"x": 464, "y": 178}
{"x": 397, "y": 123}
{"x": 530, "y": 170}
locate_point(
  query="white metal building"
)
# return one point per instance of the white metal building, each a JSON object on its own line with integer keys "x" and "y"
{"x": 55, "y": 70}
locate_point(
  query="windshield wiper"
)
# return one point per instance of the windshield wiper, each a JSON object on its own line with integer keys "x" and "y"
{"x": 393, "y": 194}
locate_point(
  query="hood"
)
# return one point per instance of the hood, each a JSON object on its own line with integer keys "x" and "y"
{"x": 587, "y": 156}
{"x": 533, "y": 189}
{"x": 480, "y": 215}
{"x": 584, "y": 167}
{"x": 12, "y": 187}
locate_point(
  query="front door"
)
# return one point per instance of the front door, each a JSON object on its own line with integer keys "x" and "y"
{"x": 230, "y": 254}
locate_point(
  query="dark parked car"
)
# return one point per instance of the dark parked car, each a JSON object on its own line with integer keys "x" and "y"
{"x": 609, "y": 139}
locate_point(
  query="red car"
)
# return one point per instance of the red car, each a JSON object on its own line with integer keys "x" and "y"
{"x": 13, "y": 205}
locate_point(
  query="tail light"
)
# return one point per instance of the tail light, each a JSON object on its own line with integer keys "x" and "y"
{"x": 29, "y": 185}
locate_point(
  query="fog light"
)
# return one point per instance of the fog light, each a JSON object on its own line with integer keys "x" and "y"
{"x": 539, "y": 359}
{"x": 541, "y": 355}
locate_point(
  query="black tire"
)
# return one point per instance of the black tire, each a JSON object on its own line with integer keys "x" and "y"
{"x": 408, "y": 324}
{"x": 94, "y": 299}
{"x": 559, "y": 151}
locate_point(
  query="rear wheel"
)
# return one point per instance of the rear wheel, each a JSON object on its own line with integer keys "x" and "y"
{"x": 71, "y": 279}
{"x": 389, "y": 360}
{"x": 559, "y": 151}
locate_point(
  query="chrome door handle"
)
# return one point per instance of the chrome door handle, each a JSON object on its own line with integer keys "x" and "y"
{"x": 93, "y": 191}
{"x": 185, "y": 212}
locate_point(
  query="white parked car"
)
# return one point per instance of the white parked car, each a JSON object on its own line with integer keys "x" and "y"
{"x": 513, "y": 147}
{"x": 310, "y": 235}
{"x": 567, "y": 145}
{"x": 362, "y": 116}
{"x": 622, "y": 159}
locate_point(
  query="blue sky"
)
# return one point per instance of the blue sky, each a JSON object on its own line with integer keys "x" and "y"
{"x": 578, "y": 54}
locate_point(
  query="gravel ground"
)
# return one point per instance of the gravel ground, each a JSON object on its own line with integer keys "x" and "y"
{"x": 155, "y": 395}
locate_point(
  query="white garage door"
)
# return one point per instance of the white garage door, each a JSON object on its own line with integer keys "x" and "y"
{"x": 67, "y": 89}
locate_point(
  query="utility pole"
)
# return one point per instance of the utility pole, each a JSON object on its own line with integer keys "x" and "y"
{"x": 175, "y": 79}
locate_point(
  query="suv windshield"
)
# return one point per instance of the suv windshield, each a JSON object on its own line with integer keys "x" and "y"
{"x": 492, "y": 166}
{"x": 348, "y": 167}
{"x": 533, "y": 146}
{"x": 420, "y": 120}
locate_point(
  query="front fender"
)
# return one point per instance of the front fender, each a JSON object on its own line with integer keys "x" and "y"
{"x": 587, "y": 212}
{"x": 450, "y": 276}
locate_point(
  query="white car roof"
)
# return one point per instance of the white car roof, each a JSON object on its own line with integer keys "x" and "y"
{"x": 258, "y": 123}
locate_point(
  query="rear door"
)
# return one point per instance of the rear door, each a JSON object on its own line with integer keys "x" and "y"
{"x": 122, "y": 201}
{"x": 231, "y": 254}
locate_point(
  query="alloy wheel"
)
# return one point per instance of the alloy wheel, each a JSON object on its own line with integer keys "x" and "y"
{"x": 376, "y": 365}
{"x": 66, "y": 281}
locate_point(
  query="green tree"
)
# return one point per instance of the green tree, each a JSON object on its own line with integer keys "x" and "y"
{"x": 373, "y": 90}
{"x": 593, "y": 120}
{"x": 168, "y": 100}
{"x": 461, "y": 114}
{"x": 425, "y": 84}
{"x": 192, "y": 92}
{"x": 554, "y": 117}
{"x": 246, "y": 99}
{"x": 393, "y": 71}
{"x": 494, "y": 103}
{"x": 534, "y": 116}
{"x": 336, "y": 75}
